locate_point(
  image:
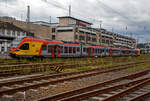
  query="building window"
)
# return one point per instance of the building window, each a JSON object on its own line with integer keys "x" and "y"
{"x": 2, "y": 49}
{"x": 76, "y": 36}
{"x": 94, "y": 39}
{"x": 76, "y": 30}
{"x": 8, "y": 48}
{"x": 18, "y": 33}
{"x": 3, "y": 31}
{"x": 81, "y": 32}
{"x": 53, "y": 30}
{"x": 23, "y": 34}
{"x": 81, "y": 38}
{"x": 53, "y": 37}
{"x": 8, "y": 32}
{"x": 103, "y": 41}
{"x": 69, "y": 30}
{"x": 13, "y": 33}
{"x": 89, "y": 38}
{"x": 0, "y": 31}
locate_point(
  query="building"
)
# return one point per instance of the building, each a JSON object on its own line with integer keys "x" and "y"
{"x": 40, "y": 31}
{"x": 74, "y": 30}
{"x": 8, "y": 32}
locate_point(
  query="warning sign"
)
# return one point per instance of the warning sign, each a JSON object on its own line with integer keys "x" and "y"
{"x": 57, "y": 68}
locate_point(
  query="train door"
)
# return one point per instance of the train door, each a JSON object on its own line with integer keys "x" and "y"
{"x": 55, "y": 51}
{"x": 110, "y": 52}
{"x": 89, "y": 53}
{"x": 92, "y": 51}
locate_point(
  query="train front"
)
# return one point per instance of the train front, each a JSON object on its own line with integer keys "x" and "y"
{"x": 14, "y": 48}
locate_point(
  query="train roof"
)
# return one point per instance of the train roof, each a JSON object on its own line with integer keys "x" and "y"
{"x": 33, "y": 39}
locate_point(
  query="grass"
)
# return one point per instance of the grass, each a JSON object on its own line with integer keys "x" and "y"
{"x": 103, "y": 62}
{"x": 139, "y": 67}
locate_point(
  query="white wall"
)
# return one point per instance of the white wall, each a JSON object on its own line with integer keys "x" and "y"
{"x": 4, "y": 43}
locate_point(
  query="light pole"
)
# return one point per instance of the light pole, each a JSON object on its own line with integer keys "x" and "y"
{"x": 100, "y": 24}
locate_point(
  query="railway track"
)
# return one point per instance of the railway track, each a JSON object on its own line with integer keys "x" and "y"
{"x": 24, "y": 84}
{"x": 110, "y": 90}
{"x": 10, "y": 70}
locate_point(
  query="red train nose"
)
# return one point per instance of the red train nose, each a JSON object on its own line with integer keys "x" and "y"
{"x": 13, "y": 49}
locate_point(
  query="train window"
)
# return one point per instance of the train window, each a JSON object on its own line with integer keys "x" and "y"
{"x": 74, "y": 49}
{"x": 70, "y": 49}
{"x": 25, "y": 46}
{"x": 84, "y": 49}
{"x": 87, "y": 50}
{"x": 49, "y": 49}
{"x": 62, "y": 49}
{"x": 103, "y": 50}
{"x": 66, "y": 49}
{"x": 99, "y": 50}
{"x": 78, "y": 49}
{"x": 96, "y": 50}
{"x": 44, "y": 47}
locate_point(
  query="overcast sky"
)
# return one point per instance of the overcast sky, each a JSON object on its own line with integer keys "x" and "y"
{"x": 127, "y": 17}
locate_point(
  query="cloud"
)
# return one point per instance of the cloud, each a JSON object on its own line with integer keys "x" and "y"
{"x": 116, "y": 14}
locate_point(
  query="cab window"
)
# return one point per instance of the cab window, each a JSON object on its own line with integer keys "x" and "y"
{"x": 25, "y": 46}
{"x": 44, "y": 47}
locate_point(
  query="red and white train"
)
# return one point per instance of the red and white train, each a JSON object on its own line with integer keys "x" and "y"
{"x": 34, "y": 47}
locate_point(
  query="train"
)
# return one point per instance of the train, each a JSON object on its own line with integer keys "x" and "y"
{"x": 40, "y": 48}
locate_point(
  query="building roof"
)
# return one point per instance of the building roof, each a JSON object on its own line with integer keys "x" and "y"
{"x": 7, "y": 25}
{"x": 45, "y": 23}
{"x": 75, "y": 19}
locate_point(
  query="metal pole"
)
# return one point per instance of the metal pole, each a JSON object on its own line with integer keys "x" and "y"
{"x": 28, "y": 19}
{"x": 70, "y": 10}
{"x": 50, "y": 19}
{"x": 100, "y": 24}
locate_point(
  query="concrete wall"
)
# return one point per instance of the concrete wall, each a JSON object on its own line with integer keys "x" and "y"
{"x": 63, "y": 21}
{"x": 66, "y": 36}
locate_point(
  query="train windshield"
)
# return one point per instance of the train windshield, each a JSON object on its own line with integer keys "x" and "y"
{"x": 16, "y": 42}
